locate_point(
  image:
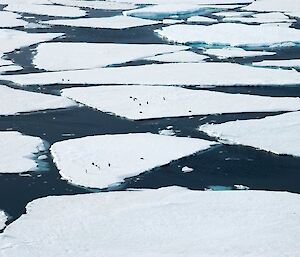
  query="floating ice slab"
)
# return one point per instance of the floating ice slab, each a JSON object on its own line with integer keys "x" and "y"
{"x": 233, "y": 52}
{"x": 147, "y": 102}
{"x": 99, "y": 5}
{"x": 10, "y": 20}
{"x": 293, "y": 63}
{"x": 115, "y": 22}
{"x": 131, "y": 223}
{"x": 197, "y": 74}
{"x": 17, "y": 152}
{"x": 201, "y": 19}
{"x": 71, "y": 56}
{"x": 100, "y": 161}
{"x": 3, "y": 219}
{"x": 10, "y": 68}
{"x": 171, "y": 21}
{"x": 274, "y": 17}
{"x": 233, "y": 14}
{"x": 49, "y": 10}
{"x": 290, "y": 7}
{"x": 230, "y": 34}
{"x": 13, "y": 101}
{"x": 181, "y": 56}
{"x": 13, "y": 39}
{"x": 278, "y": 134}
{"x": 202, "y": 2}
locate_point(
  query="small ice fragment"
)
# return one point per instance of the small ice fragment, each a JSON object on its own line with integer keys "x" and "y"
{"x": 186, "y": 169}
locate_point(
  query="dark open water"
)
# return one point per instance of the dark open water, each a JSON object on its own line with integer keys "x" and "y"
{"x": 222, "y": 165}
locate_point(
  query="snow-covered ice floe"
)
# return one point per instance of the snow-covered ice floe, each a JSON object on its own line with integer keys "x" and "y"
{"x": 181, "y": 56}
{"x": 289, "y": 7}
{"x": 233, "y": 52}
{"x": 3, "y": 219}
{"x": 278, "y": 134}
{"x": 46, "y": 9}
{"x": 197, "y": 74}
{"x": 132, "y": 223}
{"x": 230, "y": 34}
{"x": 101, "y": 161}
{"x": 233, "y": 14}
{"x": 14, "y": 101}
{"x": 10, "y": 20}
{"x": 225, "y": 3}
{"x": 17, "y": 152}
{"x": 115, "y": 22}
{"x": 148, "y": 102}
{"x": 94, "y": 4}
{"x": 202, "y": 19}
{"x": 292, "y": 63}
{"x": 71, "y": 56}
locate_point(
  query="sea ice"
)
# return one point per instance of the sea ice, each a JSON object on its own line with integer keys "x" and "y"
{"x": 233, "y": 14}
{"x": 14, "y": 101}
{"x": 278, "y": 134}
{"x": 17, "y": 152}
{"x": 181, "y": 56}
{"x": 132, "y": 223}
{"x": 3, "y": 219}
{"x": 115, "y": 22}
{"x": 230, "y": 34}
{"x": 197, "y": 74}
{"x": 186, "y": 169}
{"x": 148, "y": 102}
{"x": 71, "y": 56}
{"x": 202, "y": 2}
{"x": 201, "y": 19}
{"x": 10, "y": 20}
{"x": 292, "y": 63}
{"x": 101, "y": 161}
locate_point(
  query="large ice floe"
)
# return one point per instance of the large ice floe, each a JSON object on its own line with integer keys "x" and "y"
{"x": 46, "y": 9}
{"x": 290, "y": 7}
{"x": 230, "y": 34}
{"x": 200, "y": 2}
{"x": 14, "y": 101}
{"x": 198, "y": 74}
{"x": 278, "y": 134}
{"x": 181, "y": 56}
{"x": 3, "y": 219}
{"x": 147, "y": 102}
{"x": 101, "y": 161}
{"x": 71, "y": 56}
{"x": 17, "y": 152}
{"x": 115, "y": 22}
{"x": 10, "y": 20}
{"x": 202, "y": 19}
{"x": 233, "y": 52}
{"x": 292, "y": 63}
{"x": 157, "y": 223}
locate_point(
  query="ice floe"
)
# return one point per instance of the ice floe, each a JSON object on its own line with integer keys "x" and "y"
{"x": 49, "y": 10}
{"x": 278, "y": 134}
{"x": 230, "y": 34}
{"x": 202, "y": 19}
{"x": 14, "y": 101}
{"x": 17, "y": 152}
{"x": 181, "y": 56}
{"x": 227, "y": 3}
{"x": 197, "y": 74}
{"x": 186, "y": 169}
{"x": 3, "y": 219}
{"x": 115, "y": 22}
{"x": 10, "y": 20}
{"x": 147, "y": 102}
{"x": 233, "y": 52}
{"x": 99, "y": 5}
{"x": 71, "y": 56}
{"x": 101, "y": 161}
{"x": 292, "y": 63}
{"x": 233, "y": 14}
{"x": 171, "y": 21}
{"x": 131, "y": 223}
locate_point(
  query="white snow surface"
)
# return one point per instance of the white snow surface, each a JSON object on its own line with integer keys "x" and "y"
{"x": 232, "y": 52}
{"x": 202, "y": 2}
{"x": 278, "y": 134}
{"x": 14, "y": 101}
{"x": 147, "y": 102}
{"x": 17, "y": 152}
{"x": 3, "y": 219}
{"x": 230, "y": 34}
{"x": 46, "y": 9}
{"x": 292, "y": 63}
{"x": 10, "y": 20}
{"x": 186, "y": 169}
{"x": 198, "y": 74}
{"x": 181, "y": 56}
{"x": 71, "y": 56}
{"x": 131, "y": 223}
{"x": 101, "y": 161}
{"x": 115, "y": 22}
{"x": 233, "y": 14}
{"x": 202, "y": 19}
